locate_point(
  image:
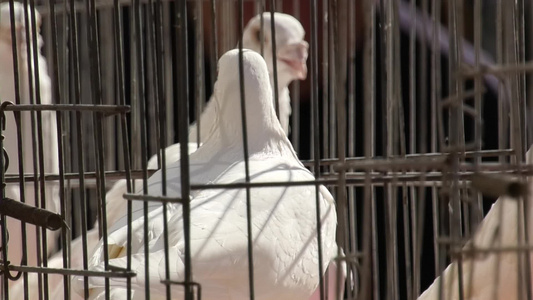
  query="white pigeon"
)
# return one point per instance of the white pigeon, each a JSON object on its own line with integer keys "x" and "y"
{"x": 488, "y": 276}
{"x": 50, "y": 146}
{"x": 291, "y": 58}
{"x": 291, "y": 52}
{"x": 284, "y": 218}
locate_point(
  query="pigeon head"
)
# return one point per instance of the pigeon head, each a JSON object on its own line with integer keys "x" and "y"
{"x": 291, "y": 49}
{"x": 261, "y": 118}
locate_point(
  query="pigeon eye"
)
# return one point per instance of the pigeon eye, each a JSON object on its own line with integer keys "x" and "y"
{"x": 258, "y": 36}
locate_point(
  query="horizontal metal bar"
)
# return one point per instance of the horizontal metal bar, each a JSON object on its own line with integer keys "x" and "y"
{"x": 115, "y": 273}
{"x": 468, "y": 154}
{"x": 240, "y": 185}
{"x": 412, "y": 178}
{"x": 99, "y": 4}
{"x": 502, "y": 69}
{"x": 152, "y": 198}
{"x": 111, "y": 176}
{"x": 108, "y": 109}
{"x": 393, "y": 164}
{"x": 475, "y": 251}
{"x": 422, "y": 164}
{"x": 498, "y": 185}
{"x": 418, "y": 179}
{"x": 31, "y": 214}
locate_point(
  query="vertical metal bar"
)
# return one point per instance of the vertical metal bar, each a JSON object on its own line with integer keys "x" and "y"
{"x": 16, "y": 77}
{"x": 391, "y": 95}
{"x": 330, "y": 55}
{"x": 421, "y": 133}
{"x": 340, "y": 18}
{"x": 68, "y": 91}
{"x": 214, "y": 43}
{"x": 167, "y": 69}
{"x": 352, "y": 208}
{"x": 135, "y": 99}
{"x": 96, "y": 92}
{"x": 529, "y": 78}
{"x": 513, "y": 57}
{"x": 5, "y": 277}
{"x": 36, "y": 130}
{"x": 325, "y": 79}
{"x": 158, "y": 28}
{"x": 295, "y": 96}
{"x": 261, "y": 4}
{"x": 456, "y": 127}
{"x": 112, "y": 148}
{"x": 526, "y": 204}
{"x": 245, "y": 144}
{"x": 435, "y": 117}
{"x": 65, "y": 232}
{"x": 274, "y": 56}
{"x": 74, "y": 66}
{"x": 183, "y": 114}
{"x": 152, "y": 107}
{"x": 519, "y": 131}
{"x": 413, "y": 279}
{"x": 502, "y": 106}
{"x": 521, "y": 82}
{"x": 199, "y": 64}
{"x": 400, "y": 145}
{"x": 370, "y": 276}
{"x": 412, "y": 79}
{"x": 417, "y": 244}
{"x": 121, "y": 93}
{"x": 140, "y": 89}
{"x": 478, "y": 104}
{"x": 152, "y": 91}
{"x": 314, "y": 121}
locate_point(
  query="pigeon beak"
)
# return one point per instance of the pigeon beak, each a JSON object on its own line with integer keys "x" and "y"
{"x": 295, "y": 56}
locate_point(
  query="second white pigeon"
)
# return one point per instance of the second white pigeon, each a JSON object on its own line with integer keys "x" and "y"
{"x": 492, "y": 275}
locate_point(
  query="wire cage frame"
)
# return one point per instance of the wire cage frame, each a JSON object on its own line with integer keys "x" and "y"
{"x": 414, "y": 114}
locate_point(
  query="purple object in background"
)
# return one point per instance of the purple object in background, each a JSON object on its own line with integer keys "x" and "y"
{"x": 424, "y": 30}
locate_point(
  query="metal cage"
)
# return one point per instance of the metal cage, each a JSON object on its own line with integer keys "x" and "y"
{"x": 415, "y": 115}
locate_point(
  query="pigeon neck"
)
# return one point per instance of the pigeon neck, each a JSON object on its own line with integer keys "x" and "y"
{"x": 283, "y": 80}
{"x": 263, "y": 129}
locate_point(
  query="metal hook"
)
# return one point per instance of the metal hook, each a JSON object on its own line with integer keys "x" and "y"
{"x": 2, "y": 113}
{"x": 3, "y": 121}
{"x": 4, "y": 270}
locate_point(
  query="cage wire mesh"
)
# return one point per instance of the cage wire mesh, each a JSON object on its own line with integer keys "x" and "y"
{"x": 414, "y": 114}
